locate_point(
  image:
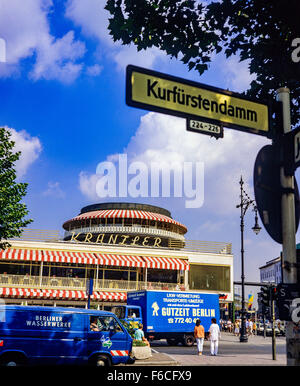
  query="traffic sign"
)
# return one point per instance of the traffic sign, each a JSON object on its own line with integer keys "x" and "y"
{"x": 204, "y": 128}
{"x": 151, "y": 90}
{"x": 288, "y": 301}
{"x": 89, "y": 286}
{"x": 291, "y": 148}
{"x": 268, "y": 192}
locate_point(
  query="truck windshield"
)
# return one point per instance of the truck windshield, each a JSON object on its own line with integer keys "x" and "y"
{"x": 119, "y": 312}
{"x": 133, "y": 313}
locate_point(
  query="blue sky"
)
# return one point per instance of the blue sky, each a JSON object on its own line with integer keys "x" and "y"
{"x": 63, "y": 96}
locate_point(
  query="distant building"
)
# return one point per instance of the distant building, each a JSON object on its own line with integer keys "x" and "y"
{"x": 271, "y": 271}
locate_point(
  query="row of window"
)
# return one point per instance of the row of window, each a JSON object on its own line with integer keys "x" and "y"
{"x": 73, "y": 271}
{"x": 271, "y": 273}
{"x": 124, "y": 222}
{"x": 200, "y": 277}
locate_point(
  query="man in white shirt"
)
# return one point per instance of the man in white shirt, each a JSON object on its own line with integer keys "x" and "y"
{"x": 250, "y": 327}
{"x": 214, "y": 335}
{"x": 247, "y": 326}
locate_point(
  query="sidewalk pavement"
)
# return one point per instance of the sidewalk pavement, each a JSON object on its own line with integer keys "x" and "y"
{"x": 157, "y": 359}
{"x": 231, "y": 352}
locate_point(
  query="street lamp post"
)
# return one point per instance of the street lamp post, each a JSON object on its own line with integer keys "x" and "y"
{"x": 244, "y": 205}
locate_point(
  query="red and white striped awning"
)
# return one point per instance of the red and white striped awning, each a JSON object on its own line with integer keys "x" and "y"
{"x": 118, "y": 213}
{"x": 72, "y": 257}
{"x": 35, "y": 293}
{"x": 166, "y": 263}
{"x": 120, "y": 260}
{"x": 94, "y": 258}
{"x": 22, "y": 254}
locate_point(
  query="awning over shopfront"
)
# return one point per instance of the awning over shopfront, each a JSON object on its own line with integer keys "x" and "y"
{"x": 22, "y": 254}
{"x": 94, "y": 258}
{"x": 120, "y": 260}
{"x": 166, "y": 263}
{"x": 72, "y": 257}
{"x": 34, "y": 293}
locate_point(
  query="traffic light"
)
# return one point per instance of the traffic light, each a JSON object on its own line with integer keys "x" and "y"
{"x": 265, "y": 295}
{"x": 274, "y": 293}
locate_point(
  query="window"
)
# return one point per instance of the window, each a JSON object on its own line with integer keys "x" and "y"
{"x": 119, "y": 311}
{"x": 209, "y": 277}
{"x": 133, "y": 313}
{"x": 162, "y": 276}
{"x": 104, "y": 323}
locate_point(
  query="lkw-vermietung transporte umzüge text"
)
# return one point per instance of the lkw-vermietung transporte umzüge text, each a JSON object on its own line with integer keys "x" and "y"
{"x": 161, "y": 94}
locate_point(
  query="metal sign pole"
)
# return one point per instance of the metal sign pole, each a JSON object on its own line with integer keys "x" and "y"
{"x": 273, "y": 331}
{"x": 288, "y": 233}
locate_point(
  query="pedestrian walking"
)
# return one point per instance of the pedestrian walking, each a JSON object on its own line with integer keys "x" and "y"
{"x": 229, "y": 325}
{"x": 254, "y": 328}
{"x": 214, "y": 335}
{"x": 199, "y": 336}
{"x": 222, "y": 324}
{"x": 250, "y": 327}
{"x": 236, "y": 328}
{"x": 247, "y": 326}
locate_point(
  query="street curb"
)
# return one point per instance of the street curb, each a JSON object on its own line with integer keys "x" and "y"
{"x": 157, "y": 359}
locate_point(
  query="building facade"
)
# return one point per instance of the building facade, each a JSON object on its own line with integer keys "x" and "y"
{"x": 122, "y": 247}
{"x": 271, "y": 272}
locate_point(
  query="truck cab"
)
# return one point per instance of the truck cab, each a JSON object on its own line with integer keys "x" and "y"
{"x": 129, "y": 314}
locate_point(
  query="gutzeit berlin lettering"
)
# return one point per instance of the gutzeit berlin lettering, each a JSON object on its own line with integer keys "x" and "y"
{"x": 163, "y": 93}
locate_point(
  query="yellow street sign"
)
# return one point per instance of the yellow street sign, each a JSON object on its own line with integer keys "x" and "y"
{"x": 163, "y": 93}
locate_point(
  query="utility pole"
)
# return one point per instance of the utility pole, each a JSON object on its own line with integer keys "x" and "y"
{"x": 245, "y": 203}
{"x": 273, "y": 330}
{"x": 289, "y": 267}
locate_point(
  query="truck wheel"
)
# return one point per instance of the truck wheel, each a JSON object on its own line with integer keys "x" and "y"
{"x": 188, "y": 340}
{"x": 103, "y": 361}
{"x": 172, "y": 342}
{"x": 13, "y": 360}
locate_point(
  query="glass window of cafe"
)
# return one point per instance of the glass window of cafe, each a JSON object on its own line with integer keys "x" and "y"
{"x": 209, "y": 277}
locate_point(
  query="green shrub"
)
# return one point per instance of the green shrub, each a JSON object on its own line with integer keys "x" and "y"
{"x": 138, "y": 343}
{"x": 128, "y": 328}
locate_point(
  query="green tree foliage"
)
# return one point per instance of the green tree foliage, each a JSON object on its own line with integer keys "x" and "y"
{"x": 260, "y": 31}
{"x": 12, "y": 211}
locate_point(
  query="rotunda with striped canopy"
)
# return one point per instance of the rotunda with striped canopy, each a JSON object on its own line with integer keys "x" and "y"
{"x": 125, "y": 224}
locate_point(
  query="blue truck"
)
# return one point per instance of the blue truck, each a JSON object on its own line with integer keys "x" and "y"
{"x": 62, "y": 336}
{"x": 169, "y": 315}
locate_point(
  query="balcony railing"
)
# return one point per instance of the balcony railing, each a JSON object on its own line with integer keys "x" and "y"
{"x": 141, "y": 229}
{"x": 67, "y": 283}
{"x": 189, "y": 245}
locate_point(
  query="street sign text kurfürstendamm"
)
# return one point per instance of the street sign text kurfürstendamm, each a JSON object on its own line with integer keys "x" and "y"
{"x": 166, "y": 94}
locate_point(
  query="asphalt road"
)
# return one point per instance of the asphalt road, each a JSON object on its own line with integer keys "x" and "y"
{"x": 254, "y": 345}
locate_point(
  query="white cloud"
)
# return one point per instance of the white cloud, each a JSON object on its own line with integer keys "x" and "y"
{"x": 87, "y": 185}
{"x": 56, "y": 59}
{"x": 25, "y": 28}
{"x": 92, "y": 18}
{"x": 164, "y": 139}
{"x": 54, "y": 190}
{"x": 94, "y": 70}
{"x": 237, "y": 74}
{"x": 129, "y": 55}
{"x": 30, "y": 148}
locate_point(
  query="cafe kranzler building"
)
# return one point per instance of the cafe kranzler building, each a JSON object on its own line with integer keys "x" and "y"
{"x": 122, "y": 247}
